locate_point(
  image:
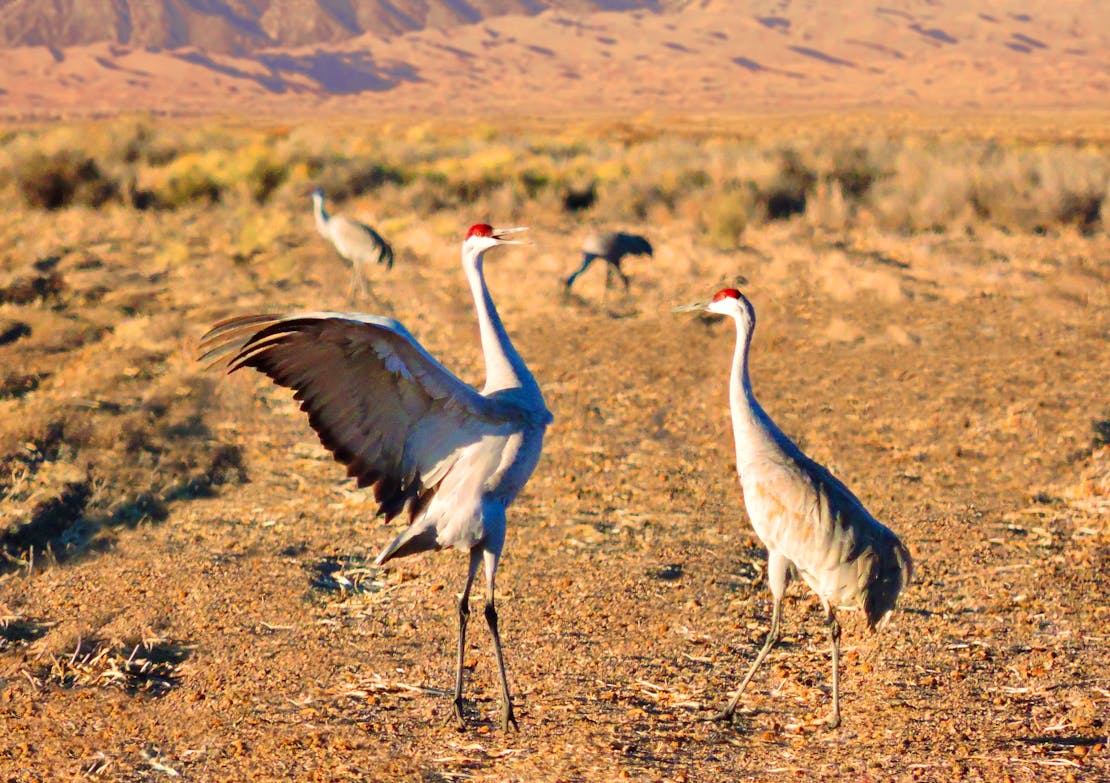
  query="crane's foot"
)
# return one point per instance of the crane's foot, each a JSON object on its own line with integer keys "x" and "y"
{"x": 724, "y": 716}
{"x": 508, "y": 717}
{"x": 833, "y": 722}
{"x": 457, "y": 713}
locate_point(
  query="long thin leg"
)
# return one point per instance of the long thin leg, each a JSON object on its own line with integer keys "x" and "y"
{"x": 586, "y": 261}
{"x": 834, "y": 640}
{"x": 616, "y": 268}
{"x": 507, "y": 715}
{"x": 360, "y": 276}
{"x": 464, "y": 615}
{"x": 776, "y": 577}
{"x": 352, "y": 289}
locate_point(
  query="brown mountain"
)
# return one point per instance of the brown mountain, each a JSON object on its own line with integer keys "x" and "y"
{"x": 582, "y": 56}
{"x": 240, "y": 26}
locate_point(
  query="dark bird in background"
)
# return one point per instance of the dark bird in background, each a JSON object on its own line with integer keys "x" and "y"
{"x": 613, "y": 246}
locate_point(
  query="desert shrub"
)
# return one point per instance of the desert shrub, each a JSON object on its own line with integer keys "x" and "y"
{"x": 727, "y": 216}
{"x": 785, "y": 196}
{"x": 1036, "y": 190}
{"x": 636, "y": 201}
{"x": 138, "y": 143}
{"x": 189, "y": 179}
{"x": 264, "y": 177}
{"x": 533, "y": 181}
{"x": 343, "y": 177}
{"x": 577, "y": 198}
{"x": 854, "y": 172}
{"x": 53, "y": 181}
{"x": 827, "y": 207}
{"x": 254, "y": 170}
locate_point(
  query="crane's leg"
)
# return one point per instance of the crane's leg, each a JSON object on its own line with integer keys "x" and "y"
{"x": 464, "y": 615}
{"x": 358, "y": 281}
{"x": 834, "y": 640}
{"x": 507, "y": 715}
{"x": 616, "y": 271}
{"x": 776, "y": 578}
{"x": 585, "y": 265}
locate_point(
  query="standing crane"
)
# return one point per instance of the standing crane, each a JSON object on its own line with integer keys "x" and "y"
{"x": 804, "y": 515}
{"x": 613, "y": 246}
{"x": 453, "y": 457}
{"x": 355, "y": 242}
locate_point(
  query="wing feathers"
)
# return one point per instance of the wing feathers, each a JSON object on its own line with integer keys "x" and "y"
{"x": 379, "y": 402}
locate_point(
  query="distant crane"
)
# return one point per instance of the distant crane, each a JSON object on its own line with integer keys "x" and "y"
{"x": 803, "y": 514}
{"x": 613, "y": 246}
{"x": 355, "y": 242}
{"x": 453, "y": 457}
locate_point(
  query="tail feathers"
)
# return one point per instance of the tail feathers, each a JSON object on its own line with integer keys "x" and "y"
{"x": 416, "y": 539}
{"x": 893, "y": 571}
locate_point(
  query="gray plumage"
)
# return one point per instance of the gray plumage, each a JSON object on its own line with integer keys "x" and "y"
{"x": 454, "y": 458}
{"x": 355, "y": 242}
{"x": 804, "y": 515}
{"x": 612, "y": 246}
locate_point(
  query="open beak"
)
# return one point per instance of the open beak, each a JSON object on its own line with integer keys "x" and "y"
{"x": 500, "y": 233}
{"x": 693, "y": 307}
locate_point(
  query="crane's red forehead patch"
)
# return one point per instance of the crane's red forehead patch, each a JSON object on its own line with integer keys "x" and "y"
{"x": 480, "y": 230}
{"x": 726, "y": 293}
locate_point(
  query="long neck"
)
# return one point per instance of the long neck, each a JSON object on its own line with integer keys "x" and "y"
{"x": 504, "y": 367}
{"x": 321, "y": 215}
{"x": 751, "y": 427}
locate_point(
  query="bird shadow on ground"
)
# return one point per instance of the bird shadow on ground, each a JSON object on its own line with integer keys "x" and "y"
{"x": 1071, "y": 742}
{"x": 67, "y": 527}
{"x": 21, "y": 630}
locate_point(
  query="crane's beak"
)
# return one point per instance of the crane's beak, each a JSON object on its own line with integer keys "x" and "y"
{"x": 500, "y": 233}
{"x": 693, "y": 307}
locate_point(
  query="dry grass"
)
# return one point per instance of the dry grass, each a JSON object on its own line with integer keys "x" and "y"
{"x": 170, "y": 532}
{"x": 909, "y": 182}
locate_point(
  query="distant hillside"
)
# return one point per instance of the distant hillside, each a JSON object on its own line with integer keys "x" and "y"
{"x": 382, "y": 57}
{"x": 238, "y": 26}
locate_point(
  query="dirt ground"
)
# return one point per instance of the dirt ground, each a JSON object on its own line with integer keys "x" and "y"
{"x": 203, "y": 603}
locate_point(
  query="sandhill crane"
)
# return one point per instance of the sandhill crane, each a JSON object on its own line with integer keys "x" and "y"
{"x": 803, "y": 514}
{"x": 613, "y": 246}
{"x": 354, "y": 241}
{"x": 454, "y": 457}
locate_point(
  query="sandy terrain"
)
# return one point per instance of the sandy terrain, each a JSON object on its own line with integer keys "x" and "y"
{"x": 217, "y": 618}
{"x": 770, "y": 56}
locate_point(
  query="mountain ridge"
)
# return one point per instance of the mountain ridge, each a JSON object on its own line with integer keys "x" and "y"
{"x": 242, "y": 26}
{"x": 700, "y": 57}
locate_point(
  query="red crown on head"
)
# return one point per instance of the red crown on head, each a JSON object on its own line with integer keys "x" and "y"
{"x": 725, "y": 293}
{"x": 480, "y": 230}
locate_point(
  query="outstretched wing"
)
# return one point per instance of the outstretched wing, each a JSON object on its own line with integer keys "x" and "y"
{"x": 384, "y": 407}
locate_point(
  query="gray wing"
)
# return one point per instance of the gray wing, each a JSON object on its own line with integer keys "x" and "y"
{"x": 382, "y": 405}
{"x": 880, "y": 562}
